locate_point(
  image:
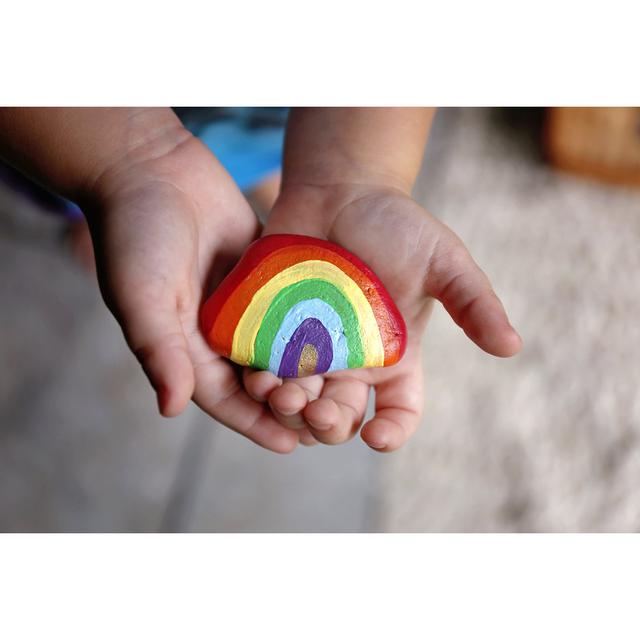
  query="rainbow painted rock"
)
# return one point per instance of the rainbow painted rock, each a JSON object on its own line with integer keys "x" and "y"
{"x": 296, "y": 306}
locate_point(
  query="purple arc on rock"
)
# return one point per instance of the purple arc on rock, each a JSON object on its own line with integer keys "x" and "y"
{"x": 310, "y": 332}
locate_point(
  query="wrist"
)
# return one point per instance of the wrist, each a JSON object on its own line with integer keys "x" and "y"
{"x": 140, "y": 139}
{"x": 319, "y": 205}
{"x": 346, "y": 174}
{"x": 73, "y": 150}
{"x": 372, "y": 147}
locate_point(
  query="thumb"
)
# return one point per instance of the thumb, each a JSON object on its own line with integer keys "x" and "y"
{"x": 155, "y": 334}
{"x": 467, "y": 295}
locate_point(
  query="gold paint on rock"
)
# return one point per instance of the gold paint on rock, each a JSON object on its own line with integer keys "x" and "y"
{"x": 308, "y": 361}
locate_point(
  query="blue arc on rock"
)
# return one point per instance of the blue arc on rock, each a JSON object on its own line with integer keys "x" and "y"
{"x": 313, "y": 308}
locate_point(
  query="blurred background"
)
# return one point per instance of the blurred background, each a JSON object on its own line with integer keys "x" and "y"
{"x": 548, "y": 202}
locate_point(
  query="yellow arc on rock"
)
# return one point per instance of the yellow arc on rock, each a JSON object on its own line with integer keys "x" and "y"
{"x": 247, "y": 329}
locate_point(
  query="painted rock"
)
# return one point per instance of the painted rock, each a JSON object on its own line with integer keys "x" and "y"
{"x": 296, "y": 306}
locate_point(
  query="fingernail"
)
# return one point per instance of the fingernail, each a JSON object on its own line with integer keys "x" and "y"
{"x": 289, "y": 412}
{"x": 377, "y": 445}
{"x": 319, "y": 427}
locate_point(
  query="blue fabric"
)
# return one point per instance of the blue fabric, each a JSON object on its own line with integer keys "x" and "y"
{"x": 249, "y": 155}
{"x": 247, "y": 141}
{"x": 46, "y": 200}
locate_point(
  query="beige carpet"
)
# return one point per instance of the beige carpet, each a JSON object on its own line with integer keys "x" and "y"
{"x": 548, "y": 441}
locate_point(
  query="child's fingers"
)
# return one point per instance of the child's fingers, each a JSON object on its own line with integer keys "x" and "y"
{"x": 156, "y": 337}
{"x": 260, "y": 384}
{"x": 338, "y": 413}
{"x": 466, "y": 293}
{"x": 286, "y": 403}
{"x": 219, "y": 393}
{"x": 390, "y": 429}
{"x": 399, "y": 403}
{"x": 289, "y": 400}
{"x": 306, "y": 438}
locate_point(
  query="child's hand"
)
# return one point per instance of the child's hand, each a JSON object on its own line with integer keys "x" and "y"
{"x": 418, "y": 258}
{"x": 166, "y": 229}
{"x": 168, "y": 223}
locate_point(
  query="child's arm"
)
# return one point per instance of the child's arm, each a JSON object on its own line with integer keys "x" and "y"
{"x": 167, "y": 223}
{"x": 69, "y": 150}
{"x": 348, "y": 176}
{"x": 379, "y": 147}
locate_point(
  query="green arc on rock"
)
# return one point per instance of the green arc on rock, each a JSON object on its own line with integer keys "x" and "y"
{"x": 289, "y": 297}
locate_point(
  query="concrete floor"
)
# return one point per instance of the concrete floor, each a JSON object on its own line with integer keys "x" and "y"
{"x": 544, "y": 442}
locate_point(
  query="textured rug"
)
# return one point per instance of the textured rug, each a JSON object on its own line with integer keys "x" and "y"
{"x": 550, "y": 440}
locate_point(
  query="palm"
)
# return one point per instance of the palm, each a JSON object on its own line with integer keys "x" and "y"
{"x": 417, "y": 258}
{"x": 164, "y": 238}
{"x": 172, "y": 227}
{"x": 387, "y": 243}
